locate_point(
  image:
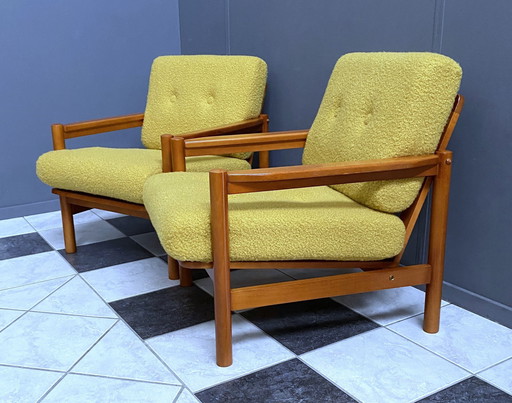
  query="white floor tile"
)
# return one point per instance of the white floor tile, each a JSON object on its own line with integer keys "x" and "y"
{"x": 90, "y": 389}
{"x": 121, "y": 354}
{"x": 107, "y": 215}
{"x": 25, "y": 297}
{"x": 14, "y": 226}
{"x": 25, "y": 385}
{"x": 75, "y": 297}
{"x": 387, "y": 306}
{"x": 380, "y": 366}
{"x": 151, "y": 242}
{"x": 33, "y": 268}
{"x": 186, "y": 397}
{"x": 8, "y": 316}
{"x": 190, "y": 353}
{"x": 246, "y": 278}
{"x": 129, "y": 279}
{"x": 53, "y": 219}
{"x": 499, "y": 376}
{"x": 50, "y": 341}
{"x": 464, "y": 338}
{"x": 87, "y": 233}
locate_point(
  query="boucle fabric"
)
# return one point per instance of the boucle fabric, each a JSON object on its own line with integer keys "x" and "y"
{"x": 189, "y": 93}
{"x": 383, "y": 105}
{"x": 116, "y": 172}
{"x": 315, "y": 223}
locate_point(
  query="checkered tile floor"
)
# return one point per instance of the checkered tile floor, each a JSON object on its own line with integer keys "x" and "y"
{"x": 107, "y": 325}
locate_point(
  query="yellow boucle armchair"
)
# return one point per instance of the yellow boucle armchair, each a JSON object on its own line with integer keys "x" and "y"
{"x": 376, "y": 147}
{"x": 189, "y": 96}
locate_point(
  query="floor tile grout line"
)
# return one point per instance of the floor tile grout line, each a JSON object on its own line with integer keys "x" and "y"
{"x": 34, "y": 283}
{"x": 54, "y": 291}
{"x": 430, "y": 351}
{"x": 329, "y": 379}
{"x": 92, "y": 346}
{"x": 440, "y": 389}
{"x": 178, "y": 395}
{"x": 52, "y": 387}
{"x": 492, "y": 383}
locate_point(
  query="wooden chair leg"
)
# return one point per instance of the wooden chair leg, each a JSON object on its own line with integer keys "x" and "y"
{"x": 68, "y": 225}
{"x": 172, "y": 268}
{"x": 221, "y": 267}
{"x": 185, "y": 277}
{"x": 437, "y": 244}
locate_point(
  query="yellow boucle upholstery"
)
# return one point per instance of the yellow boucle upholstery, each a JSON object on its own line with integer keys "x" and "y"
{"x": 383, "y": 105}
{"x": 316, "y": 223}
{"x": 182, "y": 98}
{"x": 116, "y": 172}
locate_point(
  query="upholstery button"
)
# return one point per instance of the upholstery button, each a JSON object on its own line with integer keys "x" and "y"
{"x": 173, "y": 98}
{"x": 210, "y": 99}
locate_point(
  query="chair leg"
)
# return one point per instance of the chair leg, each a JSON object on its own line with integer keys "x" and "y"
{"x": 223, "y": 319}
{"x": 173, "y": 268}
{"x": 185, "y": 277}
{"x": 221, "y": 267}
{"x": 68, "y": 225}
{"x": 437, "y": 244}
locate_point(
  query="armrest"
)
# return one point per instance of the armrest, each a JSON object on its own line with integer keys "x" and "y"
{"x": 178, "y": 152}
{"x": 62, "y": 132}
{"x": 243, "y": 142}
{"x": 258, "y": 180}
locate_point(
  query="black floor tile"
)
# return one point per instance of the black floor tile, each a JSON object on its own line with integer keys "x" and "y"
{"x": 21, "y": 245}
{"x": 291, "y": 381}
{"x": 471, "y": 390}
{"x": 132, "y": 225}
{"x": 196, "y": 273}
{"x": 104, "y": 254}
{"x": 304, "y": 326}
{"x": 165, "y": 310}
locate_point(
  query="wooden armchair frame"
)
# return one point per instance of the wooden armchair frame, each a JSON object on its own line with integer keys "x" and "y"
{"x": 376, "y": 275}
{"x": 72, "y": 202}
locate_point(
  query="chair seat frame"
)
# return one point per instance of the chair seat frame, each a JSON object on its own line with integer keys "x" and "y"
{"x": 375, "y": 275}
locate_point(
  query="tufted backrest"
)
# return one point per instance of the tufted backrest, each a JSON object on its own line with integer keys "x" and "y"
{"x": 383, "y": 105}
{"x": 189, "y": 93}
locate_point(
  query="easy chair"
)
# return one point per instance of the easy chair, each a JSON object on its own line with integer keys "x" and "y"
{"x": 376, "y": 147}
{"x": 193, "y": 96}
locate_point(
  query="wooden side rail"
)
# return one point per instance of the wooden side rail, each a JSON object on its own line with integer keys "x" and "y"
{"x": 341, "y": 284}
{"x": 61, "y": 132}
{"x": 330, "y": 174}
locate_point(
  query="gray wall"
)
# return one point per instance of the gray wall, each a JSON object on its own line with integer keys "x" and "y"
{"x": 71, "y": 60}
{"x": 302, "y": 39}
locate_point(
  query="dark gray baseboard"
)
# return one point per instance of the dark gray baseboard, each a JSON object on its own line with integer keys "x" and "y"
{"x": 478, "y": 304}
{"x": 29, "y": 209}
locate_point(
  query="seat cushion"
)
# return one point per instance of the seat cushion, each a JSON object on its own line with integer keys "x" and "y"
{"x": 383, "y": 105}
{"x": 316, "y": 223}
{"x": 189, "y": 93}
{"x": 116, "y": 172}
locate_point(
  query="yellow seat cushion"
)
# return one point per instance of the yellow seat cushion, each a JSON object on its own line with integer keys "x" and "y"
{"x": 189, "y": 93}
{"x": 116, "y": 172}
{"x": 316, "y": 223}
{"x": 383, "y": 105}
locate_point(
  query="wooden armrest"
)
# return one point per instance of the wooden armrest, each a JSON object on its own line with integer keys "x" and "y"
{"x": 237, "y": 127}
{"x": 61, "y": 132}
{"x": 258, "y": 180}
{"x": 242, "y": 143}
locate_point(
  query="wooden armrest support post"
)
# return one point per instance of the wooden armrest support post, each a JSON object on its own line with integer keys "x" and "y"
{"x": 62, "y": 132}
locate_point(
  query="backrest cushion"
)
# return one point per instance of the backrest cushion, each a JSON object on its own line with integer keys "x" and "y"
{"x": 383, "y": 105}
{"x": 189, "y": 93}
